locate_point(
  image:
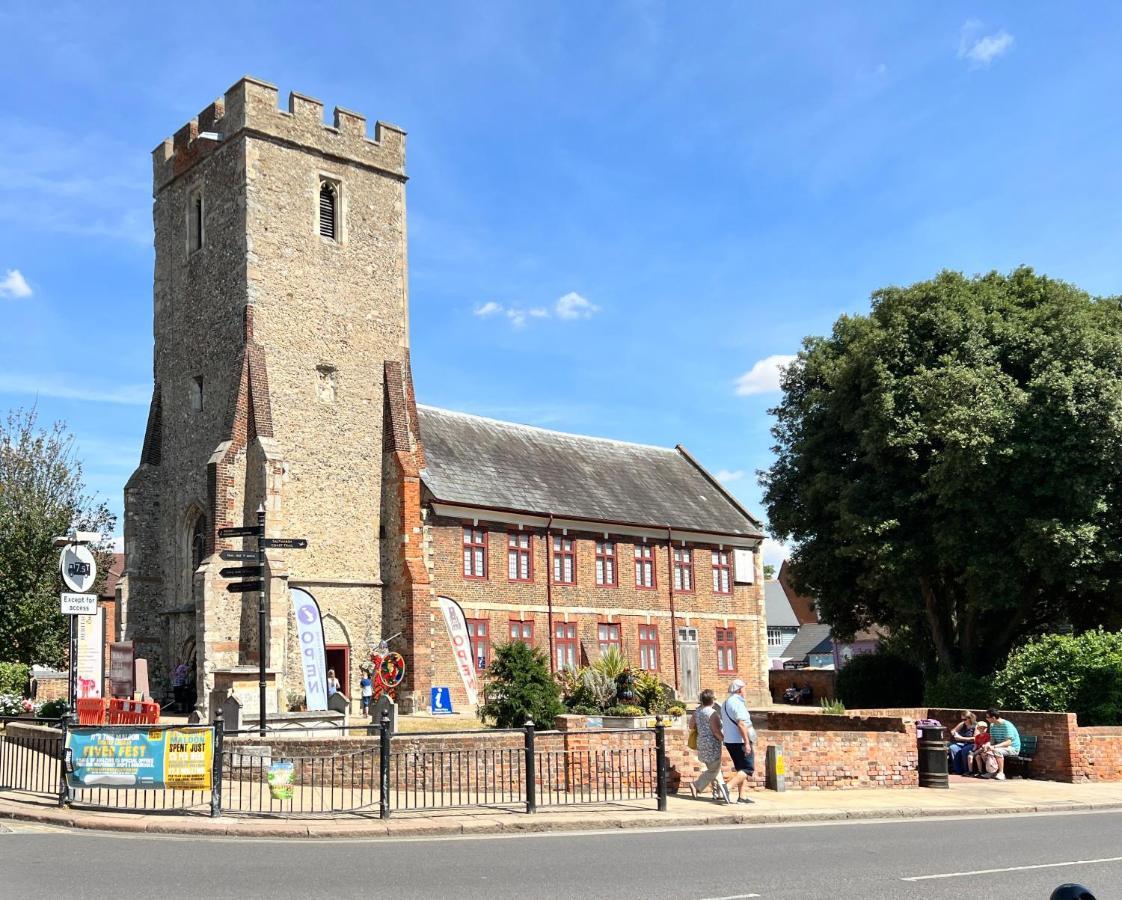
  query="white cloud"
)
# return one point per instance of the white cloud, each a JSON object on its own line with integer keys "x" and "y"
{"x": 574, "y": 306}
{"x": 774, "y": 552}
{"x": 725, "y": 476}
{"x": 65, "y": 389}
{"x": 982, "y": 49}
{"x": 14, "y": 285}
{"x": 763, "y": 377}
{"x": 571, "y": 306}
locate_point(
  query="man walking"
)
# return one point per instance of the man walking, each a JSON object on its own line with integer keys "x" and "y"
{"x": 1005, "y": 740}
{"x": 739, "y": 737}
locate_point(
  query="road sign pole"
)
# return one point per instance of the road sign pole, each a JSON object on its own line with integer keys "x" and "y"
{"x": 70, "y": 709}
{"x": 262, "y": 596}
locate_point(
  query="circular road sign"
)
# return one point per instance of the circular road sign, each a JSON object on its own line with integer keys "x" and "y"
{"x": 78, "y": 568}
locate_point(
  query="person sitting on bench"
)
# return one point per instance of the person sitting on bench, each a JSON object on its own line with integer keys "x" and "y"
{"x": 1004, "y": 738}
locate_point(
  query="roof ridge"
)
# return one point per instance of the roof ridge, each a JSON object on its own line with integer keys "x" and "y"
{"x": 538, "y": 428}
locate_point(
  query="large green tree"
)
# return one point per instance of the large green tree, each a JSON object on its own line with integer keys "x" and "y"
{"x": 41, "y": 495}
{"x": 949, "y": 465}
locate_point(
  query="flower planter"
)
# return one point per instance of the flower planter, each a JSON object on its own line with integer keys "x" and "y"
{"x": 647, "y": 721}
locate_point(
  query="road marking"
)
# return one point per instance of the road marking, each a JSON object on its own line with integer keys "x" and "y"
{"x": 733, "y": 897}
{"x": 1056, "y": 865}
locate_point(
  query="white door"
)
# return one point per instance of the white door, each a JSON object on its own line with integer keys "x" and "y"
{"x": 689, "y": 677}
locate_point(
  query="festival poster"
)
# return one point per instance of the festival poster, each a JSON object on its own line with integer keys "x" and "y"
{"x": 173, "y": 758}
{"x": 90, "y": 663}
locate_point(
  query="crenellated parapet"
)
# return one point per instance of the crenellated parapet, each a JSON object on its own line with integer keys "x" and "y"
{"x": 251, "y": 106}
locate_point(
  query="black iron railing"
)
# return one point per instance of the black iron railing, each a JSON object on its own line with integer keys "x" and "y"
{"x": 300, "y": 773}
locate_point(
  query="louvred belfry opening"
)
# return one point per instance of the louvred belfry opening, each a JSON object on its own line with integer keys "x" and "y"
{"x": 327, "y": 206}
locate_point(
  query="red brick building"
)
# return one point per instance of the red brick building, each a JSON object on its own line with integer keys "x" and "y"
{"x": 573, "y": 544}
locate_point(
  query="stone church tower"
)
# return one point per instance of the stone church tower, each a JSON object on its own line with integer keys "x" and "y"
{"x": 280, "y": 309}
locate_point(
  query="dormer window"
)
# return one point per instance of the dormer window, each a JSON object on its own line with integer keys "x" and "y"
{"x": 329, "y": 209}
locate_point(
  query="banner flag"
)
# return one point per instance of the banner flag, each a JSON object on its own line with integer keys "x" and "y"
{"x": 461, "y": 646}
{"x": 313, "y": 662}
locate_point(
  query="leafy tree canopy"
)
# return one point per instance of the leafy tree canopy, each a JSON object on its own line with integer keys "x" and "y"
{"x": 41, "y": 496}
{"x": 949, "y": 465}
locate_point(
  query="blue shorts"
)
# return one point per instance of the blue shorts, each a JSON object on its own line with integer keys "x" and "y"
{"x": 742, "y": 761}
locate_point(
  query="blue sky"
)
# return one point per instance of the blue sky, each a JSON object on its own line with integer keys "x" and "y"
{"x": 621, "y": 214}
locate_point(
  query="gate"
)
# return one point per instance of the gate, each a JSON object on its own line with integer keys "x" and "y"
{"x": 689, "y": 674}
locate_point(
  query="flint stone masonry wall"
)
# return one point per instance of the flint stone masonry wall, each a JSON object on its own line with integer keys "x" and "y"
{"x": 289, "y": 332}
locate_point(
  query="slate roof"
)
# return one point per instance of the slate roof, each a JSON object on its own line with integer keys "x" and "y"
{"x": 481, "y": 462}
{"x": 810, "y": 639}
{"x": 779, "y": 611}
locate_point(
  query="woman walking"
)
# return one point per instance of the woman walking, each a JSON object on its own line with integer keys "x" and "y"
{"x": 706, "y": 724}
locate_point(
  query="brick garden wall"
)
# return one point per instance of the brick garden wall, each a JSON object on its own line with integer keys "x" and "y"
{"x": 1097, "y": 754}
{"x": 821, "y": 681}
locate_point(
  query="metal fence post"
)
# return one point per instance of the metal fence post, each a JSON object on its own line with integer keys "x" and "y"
{"x": 531, "y": 769}
{"x": 63, "y": 787}
{"x": 216, "y": 768}
{"x": 384, "y": 765}
{"x": 660, "y": 762}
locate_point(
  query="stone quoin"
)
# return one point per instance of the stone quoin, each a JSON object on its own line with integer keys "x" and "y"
{"x": 282, "y": 377}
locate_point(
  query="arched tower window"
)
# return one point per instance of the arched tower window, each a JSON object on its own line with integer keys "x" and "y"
{"x": 198, "y": 542}
{"x": 328, "y": 210}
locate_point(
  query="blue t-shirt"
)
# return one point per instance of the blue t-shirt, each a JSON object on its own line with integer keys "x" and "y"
{"x": 1004, "y": 730}
{"x": 736, "y": 710}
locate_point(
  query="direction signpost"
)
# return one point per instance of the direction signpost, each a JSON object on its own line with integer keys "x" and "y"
{"x": 256, "y": 583}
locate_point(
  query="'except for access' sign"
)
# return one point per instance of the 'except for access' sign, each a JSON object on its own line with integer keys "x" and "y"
{"x": 244, "y": 587}
{"x": 241, "y": 572}
{"x": 242, "y": 531}
{"x": 79, "y": 604}
{"x": 285, "y": 543}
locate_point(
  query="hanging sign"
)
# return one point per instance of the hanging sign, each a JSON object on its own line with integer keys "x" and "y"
{"x": 174, "y": 758}
{"x": 461, "y": 646}
{"x": 309, "y": 631}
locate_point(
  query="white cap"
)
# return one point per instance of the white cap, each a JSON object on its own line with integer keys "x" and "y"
{"x": 735, "y": 685}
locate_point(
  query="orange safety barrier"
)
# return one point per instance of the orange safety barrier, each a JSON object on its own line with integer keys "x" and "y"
{"x": 133, "y": 712}
{"x": 91, "y": 711}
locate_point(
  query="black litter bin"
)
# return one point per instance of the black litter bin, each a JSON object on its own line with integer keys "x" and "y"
{"x": 933, "y": 756}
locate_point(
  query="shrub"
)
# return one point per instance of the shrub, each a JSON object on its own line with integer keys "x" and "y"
{"x": 582, "y": 710}
{"x": 652, "y": 694}
{"x": 878, "y": 680}
{"x": 13, "y": 678}
{"x": 1066, "y": 673}
{"x": 676, "y": 710}
{"x": 624, "y": 710}
{"x": 959, "y": 690}
{"x": 519, "y": 687}
{"x": 597, "y": 689}
{"x": 833, "y": 707}
{"x": 52, "y": 709}
{"x": 612, "y": 663}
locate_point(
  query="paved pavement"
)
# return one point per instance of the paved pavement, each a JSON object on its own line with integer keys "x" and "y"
{"x": 965, "y": 795}
{"x": 997, "y": 858}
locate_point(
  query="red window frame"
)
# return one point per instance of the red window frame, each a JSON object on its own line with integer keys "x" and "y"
{"x": 644, "y": 559}
{"x": 648, "y": 648}
{"x": 608, "y": 635}
{"x": 479, "y": 633}
{"x": 726, "y": 651}
{"x": 519, "y": 550}
{"x": 563, "y": 548}
{"x": 475, "y": 552}
{"x": 522, "y": 630}
{"x": 565, "y": 651}
{"x": 607, "y": 560}
{"x": 722, "y": 571}
{"x": 683, "y": 570}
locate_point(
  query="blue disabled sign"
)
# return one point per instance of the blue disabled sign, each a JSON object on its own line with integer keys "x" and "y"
{"x": 441, "y": 704}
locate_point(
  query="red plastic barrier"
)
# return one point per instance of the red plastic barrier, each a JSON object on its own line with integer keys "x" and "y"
{"x": 133, "y": 712}
{"x": 91, "y": 711}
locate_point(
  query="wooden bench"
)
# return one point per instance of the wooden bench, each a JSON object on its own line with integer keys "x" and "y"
{"x": 1023, "y": 760}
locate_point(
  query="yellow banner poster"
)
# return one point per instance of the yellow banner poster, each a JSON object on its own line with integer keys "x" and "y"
{"x": 188, "y": 759}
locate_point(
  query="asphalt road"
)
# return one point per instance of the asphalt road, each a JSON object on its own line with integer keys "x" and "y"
{"x": 866, "y": 860}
